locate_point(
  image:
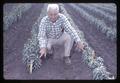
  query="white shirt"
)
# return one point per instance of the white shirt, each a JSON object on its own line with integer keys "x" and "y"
{"x": 47, "y": 29}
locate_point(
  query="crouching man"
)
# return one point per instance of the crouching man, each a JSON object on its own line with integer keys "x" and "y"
{"x": 56, "y": 29}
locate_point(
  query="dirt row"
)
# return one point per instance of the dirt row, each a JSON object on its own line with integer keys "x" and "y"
{"x": 103, "y": 46}
{"x": 14, "y": 40}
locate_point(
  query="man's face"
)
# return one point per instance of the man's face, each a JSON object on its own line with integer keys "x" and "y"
{"x": 53, "y": 15}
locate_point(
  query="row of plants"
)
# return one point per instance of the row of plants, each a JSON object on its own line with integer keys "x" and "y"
{"x": 110, "y": 10}
{"x": 31, "y": 47}
{"x": 15, "y": 14}
{"x": 100, "y": 25}
{"x": 101, "y": 13}
{"x": 109, "y": 5}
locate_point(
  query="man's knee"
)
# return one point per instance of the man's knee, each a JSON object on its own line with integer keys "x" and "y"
{"x": 68, "y": 39}
{"x": 68, "y": 43}
{"x": 48, "y": 47}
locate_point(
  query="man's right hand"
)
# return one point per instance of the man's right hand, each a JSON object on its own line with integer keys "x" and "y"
{"x": 43, "y": 51}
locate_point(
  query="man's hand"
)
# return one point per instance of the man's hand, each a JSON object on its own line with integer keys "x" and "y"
{"x": 80, "y": 45}
{"x": 43, "y": 51}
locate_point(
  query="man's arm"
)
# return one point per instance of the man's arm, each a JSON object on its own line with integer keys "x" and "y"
{"x": 42, "y": 37}
{"x": 70, "y": 30}
{"x": 73, "y": 33}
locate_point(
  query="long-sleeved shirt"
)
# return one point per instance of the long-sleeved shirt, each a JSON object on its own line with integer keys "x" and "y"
{"x": 47, "y": 29}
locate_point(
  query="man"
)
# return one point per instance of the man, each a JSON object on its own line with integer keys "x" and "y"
{"x": 56, "y": 29}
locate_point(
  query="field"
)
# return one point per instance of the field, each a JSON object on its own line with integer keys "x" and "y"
{"x": 96, "y": 22}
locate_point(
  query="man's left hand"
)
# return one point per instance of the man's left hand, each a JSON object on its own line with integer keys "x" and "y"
{"x": 80, "y": 45}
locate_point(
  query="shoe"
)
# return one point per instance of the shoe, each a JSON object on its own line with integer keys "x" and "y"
{"x": 67, "y": 60}
{"x": 50, "y": 53}
{"x": 49, "y": 56}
